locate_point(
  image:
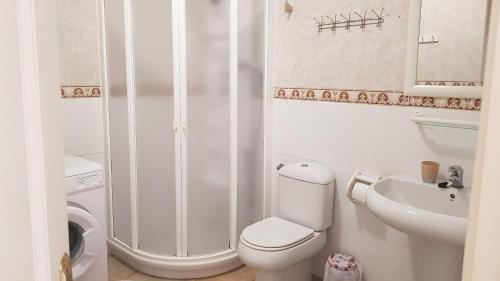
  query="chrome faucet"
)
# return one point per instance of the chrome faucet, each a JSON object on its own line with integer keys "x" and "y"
{"x": 456, "y": 176}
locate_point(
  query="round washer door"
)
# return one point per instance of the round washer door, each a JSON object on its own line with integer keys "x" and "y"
{"x": 86, "y": 240}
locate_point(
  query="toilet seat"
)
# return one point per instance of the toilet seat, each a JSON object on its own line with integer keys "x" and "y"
{"x": 275, "y": 234}
{"x": 269, "y": 260}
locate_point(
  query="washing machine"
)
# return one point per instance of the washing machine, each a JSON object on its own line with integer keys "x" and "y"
{"x": 86, "y": 198}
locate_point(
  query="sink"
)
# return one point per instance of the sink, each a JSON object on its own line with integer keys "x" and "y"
{"x": 412, "y": 206}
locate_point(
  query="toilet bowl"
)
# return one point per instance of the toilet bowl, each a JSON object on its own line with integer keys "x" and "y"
{"x": 280, "y": 248}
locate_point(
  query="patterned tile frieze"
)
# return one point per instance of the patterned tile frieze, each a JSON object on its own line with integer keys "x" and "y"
{"x": 391, "y": 98}
{"x": 74, "y": 92}
{"x": 450, "y": 83}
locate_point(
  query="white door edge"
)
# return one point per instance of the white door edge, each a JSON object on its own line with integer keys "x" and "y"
{"x": 34, "y": 150}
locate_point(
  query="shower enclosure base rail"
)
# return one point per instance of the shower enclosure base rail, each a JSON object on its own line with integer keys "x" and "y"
{"x": 175, "y": 267}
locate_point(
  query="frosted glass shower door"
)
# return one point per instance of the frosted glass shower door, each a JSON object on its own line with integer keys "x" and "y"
{"x": 185, "y": 118}
{"x": 155, "y": 104}
{"x": 117, "y": 122}
{"x": 208, "y": 118}
{"x": 251, "y": 58}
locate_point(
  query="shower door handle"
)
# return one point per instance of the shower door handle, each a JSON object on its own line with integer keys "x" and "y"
{"x": 183, "y": 125}
{"x": 175, "y": 125}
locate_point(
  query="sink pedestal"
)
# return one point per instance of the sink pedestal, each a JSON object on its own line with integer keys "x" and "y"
{"x": 440, "y": 262}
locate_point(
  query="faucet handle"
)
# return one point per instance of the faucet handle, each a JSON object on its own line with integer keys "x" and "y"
{"x": 455, "y": 169}
{"x": 456, "y": 176}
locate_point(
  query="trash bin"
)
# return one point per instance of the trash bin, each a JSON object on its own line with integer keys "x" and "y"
{"x": 342, "y": 267}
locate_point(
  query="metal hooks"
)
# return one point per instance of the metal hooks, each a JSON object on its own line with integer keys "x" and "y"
{"x": 380, "y": 17}
{"x": 347, "y": 22}
{"x": 363, "y": 19}
{"x": 320, "y": 23}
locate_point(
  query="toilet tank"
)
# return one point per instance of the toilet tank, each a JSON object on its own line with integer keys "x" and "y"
{"x": 305, "y": 195}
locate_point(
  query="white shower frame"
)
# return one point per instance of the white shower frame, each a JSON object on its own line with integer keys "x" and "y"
{"x": 183, "y": 266}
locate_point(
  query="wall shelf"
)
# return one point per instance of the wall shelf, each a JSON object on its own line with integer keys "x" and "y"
{"x": 449, "y": 123}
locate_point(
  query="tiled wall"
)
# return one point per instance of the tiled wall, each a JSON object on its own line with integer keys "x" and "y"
{"x": 376, "y": 98}
{"x": 78, "y": 42}
{"x": 80, "y": 78}
{"x": 370, "y": 60}
{"x": 328, "y": 107}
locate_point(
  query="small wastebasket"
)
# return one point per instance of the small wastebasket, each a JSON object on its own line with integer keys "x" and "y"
{"x": 341, "y": 267}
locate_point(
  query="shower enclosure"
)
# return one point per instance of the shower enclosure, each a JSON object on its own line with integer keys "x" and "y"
{"x": 184, "y": 101}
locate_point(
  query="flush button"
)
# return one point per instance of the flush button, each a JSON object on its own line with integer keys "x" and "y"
{"x": 304, "y": 165}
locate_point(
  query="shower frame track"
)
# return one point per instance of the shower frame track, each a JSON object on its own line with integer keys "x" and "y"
{"x": 182, "y": 266}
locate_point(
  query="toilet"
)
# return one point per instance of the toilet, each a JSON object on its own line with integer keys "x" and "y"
{"x": 280, "y": 248}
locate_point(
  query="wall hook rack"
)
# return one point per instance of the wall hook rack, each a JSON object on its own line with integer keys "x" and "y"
{"x": 347, "y": 22}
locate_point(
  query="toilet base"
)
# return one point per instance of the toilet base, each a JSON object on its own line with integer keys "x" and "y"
{"x": 301, "y": 271}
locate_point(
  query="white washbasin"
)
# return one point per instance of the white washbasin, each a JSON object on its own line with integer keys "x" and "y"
{"x": 414, "y": 207}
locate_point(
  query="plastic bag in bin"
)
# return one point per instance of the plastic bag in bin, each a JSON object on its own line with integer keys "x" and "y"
{"x": 342, "y": 267}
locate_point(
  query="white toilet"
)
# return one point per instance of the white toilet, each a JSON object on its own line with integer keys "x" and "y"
{"x": 280, "y": 248}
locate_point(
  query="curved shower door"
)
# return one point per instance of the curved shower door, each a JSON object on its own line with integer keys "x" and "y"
{"x": 208, "y": 137}
{"x": 185, "y": 120}
{"x": 155, "y": 111}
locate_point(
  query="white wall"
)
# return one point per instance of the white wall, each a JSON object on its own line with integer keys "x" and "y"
{"x": 83, "y": 128}
{"x": 347, "y": 137}
{"x": 79, "y": 64}
{"x": 351, "y": 136}
{"x": 482, "y": 250}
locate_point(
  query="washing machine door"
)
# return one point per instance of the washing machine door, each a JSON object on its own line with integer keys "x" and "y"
{"x": 86, "y": 240}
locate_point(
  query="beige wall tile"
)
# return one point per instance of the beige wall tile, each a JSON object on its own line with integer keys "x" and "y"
{"x": 370, "y": 59}
{"x": 78, "y": 42}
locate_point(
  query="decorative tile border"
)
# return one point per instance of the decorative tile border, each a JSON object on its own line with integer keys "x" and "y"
{"x": 375, "y": 97}
{"x": 74, "y": 92}
{"x": 450, "y": 83}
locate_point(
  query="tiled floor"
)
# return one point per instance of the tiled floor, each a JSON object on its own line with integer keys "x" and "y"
{"x": 120, "y": 272}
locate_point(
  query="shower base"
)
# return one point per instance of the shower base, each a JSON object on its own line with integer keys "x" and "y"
{"x": 175, "y": 267}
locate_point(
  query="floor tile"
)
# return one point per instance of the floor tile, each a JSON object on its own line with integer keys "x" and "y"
{"x": 117, "y": 271}
{"x": 143, "y": 277}
{"x": 121, "y": 272}
{"x": 240, "y": 274}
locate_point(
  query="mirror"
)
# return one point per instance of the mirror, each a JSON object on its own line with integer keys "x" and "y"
{"x": 446, "y": 48}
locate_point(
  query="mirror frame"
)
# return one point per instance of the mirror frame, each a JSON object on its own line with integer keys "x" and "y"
{"x": 411, "y": 88}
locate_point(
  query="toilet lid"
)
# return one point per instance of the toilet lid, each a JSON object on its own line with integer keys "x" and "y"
{"x": 275, "y": 232}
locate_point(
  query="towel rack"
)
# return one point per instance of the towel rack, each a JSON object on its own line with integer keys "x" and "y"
{"x": 347, "y": 22}
{"x": 450, "y": 123}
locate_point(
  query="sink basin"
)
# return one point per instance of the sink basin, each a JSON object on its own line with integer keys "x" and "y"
{"x": 414, "y": 207}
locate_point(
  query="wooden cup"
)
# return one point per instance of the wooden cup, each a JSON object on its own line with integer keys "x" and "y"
{"x": 430, "y": 171}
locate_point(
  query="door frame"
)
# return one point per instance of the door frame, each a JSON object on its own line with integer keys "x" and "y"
{"x": 482, "y": 250}
{"x": 43, "y": 136}
{"x": 37, "y": 189}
